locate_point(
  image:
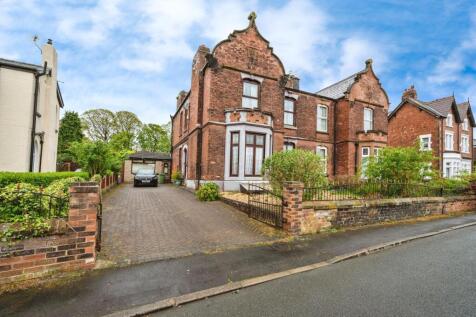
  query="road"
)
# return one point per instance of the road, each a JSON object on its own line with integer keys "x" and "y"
{"x": 430, "y": 277}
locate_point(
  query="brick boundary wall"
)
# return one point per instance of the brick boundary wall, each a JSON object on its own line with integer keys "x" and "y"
{"x": 237, "y": 204}
{"x": 310, "y": 217}
{"x": 75, "y": 249}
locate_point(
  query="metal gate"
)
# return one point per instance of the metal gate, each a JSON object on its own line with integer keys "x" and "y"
{"x": 264, "y": 205}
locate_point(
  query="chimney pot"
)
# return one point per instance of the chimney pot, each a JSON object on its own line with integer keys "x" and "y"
{"x": 410, "y": 92}
{"x": 50, "y": 41}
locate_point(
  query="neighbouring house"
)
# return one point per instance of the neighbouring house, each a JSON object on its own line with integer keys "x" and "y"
{"x": 158, "y": 162}
{"x": 442, "y": 126}
{"x": 30, "y": 102}
{"x": 242, "y": 106}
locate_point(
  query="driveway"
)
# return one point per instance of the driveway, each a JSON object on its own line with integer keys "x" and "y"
{"x": 143, "y": 224}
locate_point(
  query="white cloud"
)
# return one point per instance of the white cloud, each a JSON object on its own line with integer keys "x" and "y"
{"x": 163, "y": 29}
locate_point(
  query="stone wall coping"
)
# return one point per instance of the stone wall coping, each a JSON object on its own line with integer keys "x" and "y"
{"x": 84, "y": 187}
{"x": 294, "y": 184}
{"x": 324, "y": 205}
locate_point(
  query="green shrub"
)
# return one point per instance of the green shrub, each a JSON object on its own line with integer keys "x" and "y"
{"x": 176, "y": 175}
{"x": 24, "y": 226}
{"x": 296, "y": 165}
{"x": 60, "y": 187}
{"x": 452, "y": 186}
{"x": 38, "y": 179}
{"x": 19, "y": 199}
{"x": 208, "y": 192}
{"x": 96, "y": 178}
{"x": 400, "y": 164}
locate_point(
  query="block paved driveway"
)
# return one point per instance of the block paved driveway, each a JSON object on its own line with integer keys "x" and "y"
{"x": 144, "y": 224}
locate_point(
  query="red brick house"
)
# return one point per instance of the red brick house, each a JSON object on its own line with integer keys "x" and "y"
{"x": 441, "y": 125}
{"x": 242, "y": 107}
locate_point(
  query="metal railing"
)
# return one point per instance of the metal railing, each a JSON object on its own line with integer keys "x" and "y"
{"x": 360, "y": 190}
{"x": 265, "y": 205}
{"x": 22, "y": 202}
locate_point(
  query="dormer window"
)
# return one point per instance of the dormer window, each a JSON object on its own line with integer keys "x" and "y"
{"x": 465, "y": 124}
{"x": 250, "y": 94}
{"x": 449, "y": 120}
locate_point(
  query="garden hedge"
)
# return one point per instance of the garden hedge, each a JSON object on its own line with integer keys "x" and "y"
{"x": 38, "y": 179}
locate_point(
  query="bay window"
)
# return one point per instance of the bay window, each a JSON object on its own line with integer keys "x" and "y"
{"x": 235, "y": 154}
{"x": 365, "y": 160}
{"x": 250, "y": 94}
{"x": 322, "y": 115}
{"x": 289, "y": 112}
{"x": 254, "y": 153}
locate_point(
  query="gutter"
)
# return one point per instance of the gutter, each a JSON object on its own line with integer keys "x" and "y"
{"x": 35, "y": 110}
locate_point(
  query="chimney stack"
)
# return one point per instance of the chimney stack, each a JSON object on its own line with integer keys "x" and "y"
{"x": 410, "y": 92}
{"x": 293, "y": 82}
{"x": 180, "y": 98}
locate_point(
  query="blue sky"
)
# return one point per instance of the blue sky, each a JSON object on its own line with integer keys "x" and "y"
{"x": 136, "y": 55}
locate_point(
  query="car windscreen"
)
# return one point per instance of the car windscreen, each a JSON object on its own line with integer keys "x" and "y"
{"x": 145, "y": 172}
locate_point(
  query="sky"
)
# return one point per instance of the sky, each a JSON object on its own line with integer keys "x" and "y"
{"x": 137, "y": 55}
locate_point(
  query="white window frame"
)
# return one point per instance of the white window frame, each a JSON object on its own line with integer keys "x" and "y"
{"x": 449, "y": 120}
{"x": 363, "y": 165}
{"x": 377, "y": 150}
{"x": 250, "y": 97}
{"x": 324, "y": 159}
{"x": 464, "y": 145}
{"x": 286, "y": 143}
{"x": 370, "y": 121}
{"x": 449, "y": 148}
{"x": 293, "y": 123}
{"x": 465, "y": 124}
{"x": 322, "y": 118}
{"x": 425, "y": 136}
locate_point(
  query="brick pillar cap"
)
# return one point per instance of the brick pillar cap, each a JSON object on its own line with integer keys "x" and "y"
{"x": 294, "y": 184}
{"x": 84, "y": 187}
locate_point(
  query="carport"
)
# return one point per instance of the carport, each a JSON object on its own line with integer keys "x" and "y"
{"x": 157, "y": 161}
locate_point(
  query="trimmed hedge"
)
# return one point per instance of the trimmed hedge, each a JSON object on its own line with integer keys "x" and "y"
{"x": 38, "y": 179}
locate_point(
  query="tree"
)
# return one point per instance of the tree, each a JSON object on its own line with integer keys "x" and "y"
{"x": 69, "y": 131}
{"x": 155, "y": 138}
{"x": 96, "y": 157}
{"x": 400, "y": 164}
{"x": 99, "y": 124}
{"x": 296, "y": 165}
{"x": 122, "y": 141}
{"x": 125, "y": 121}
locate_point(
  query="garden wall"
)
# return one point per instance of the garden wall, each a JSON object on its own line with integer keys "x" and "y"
{"x": 74, "y": 249}
{"x": 310, "y": 217}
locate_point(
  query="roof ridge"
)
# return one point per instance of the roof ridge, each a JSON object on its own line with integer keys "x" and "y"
{"x": 438, "y": 99}
{"x": 338, "y": 82}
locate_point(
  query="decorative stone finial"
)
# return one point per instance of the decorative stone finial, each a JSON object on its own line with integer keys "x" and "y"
{"x": 252, "y": 17}
{"x": 368, "y": 62}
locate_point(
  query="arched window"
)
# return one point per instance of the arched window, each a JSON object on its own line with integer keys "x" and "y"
{"x": 250, "y": 98}
{"x": 321, "y": 151}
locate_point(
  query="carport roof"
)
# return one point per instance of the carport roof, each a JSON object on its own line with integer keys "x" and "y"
{"x": 146, "y": 155}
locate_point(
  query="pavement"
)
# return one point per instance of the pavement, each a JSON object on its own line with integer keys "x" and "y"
{"x": 153, "y": 223}
{"x": 110, "y": 290}
{"x": 431, "y": 277}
